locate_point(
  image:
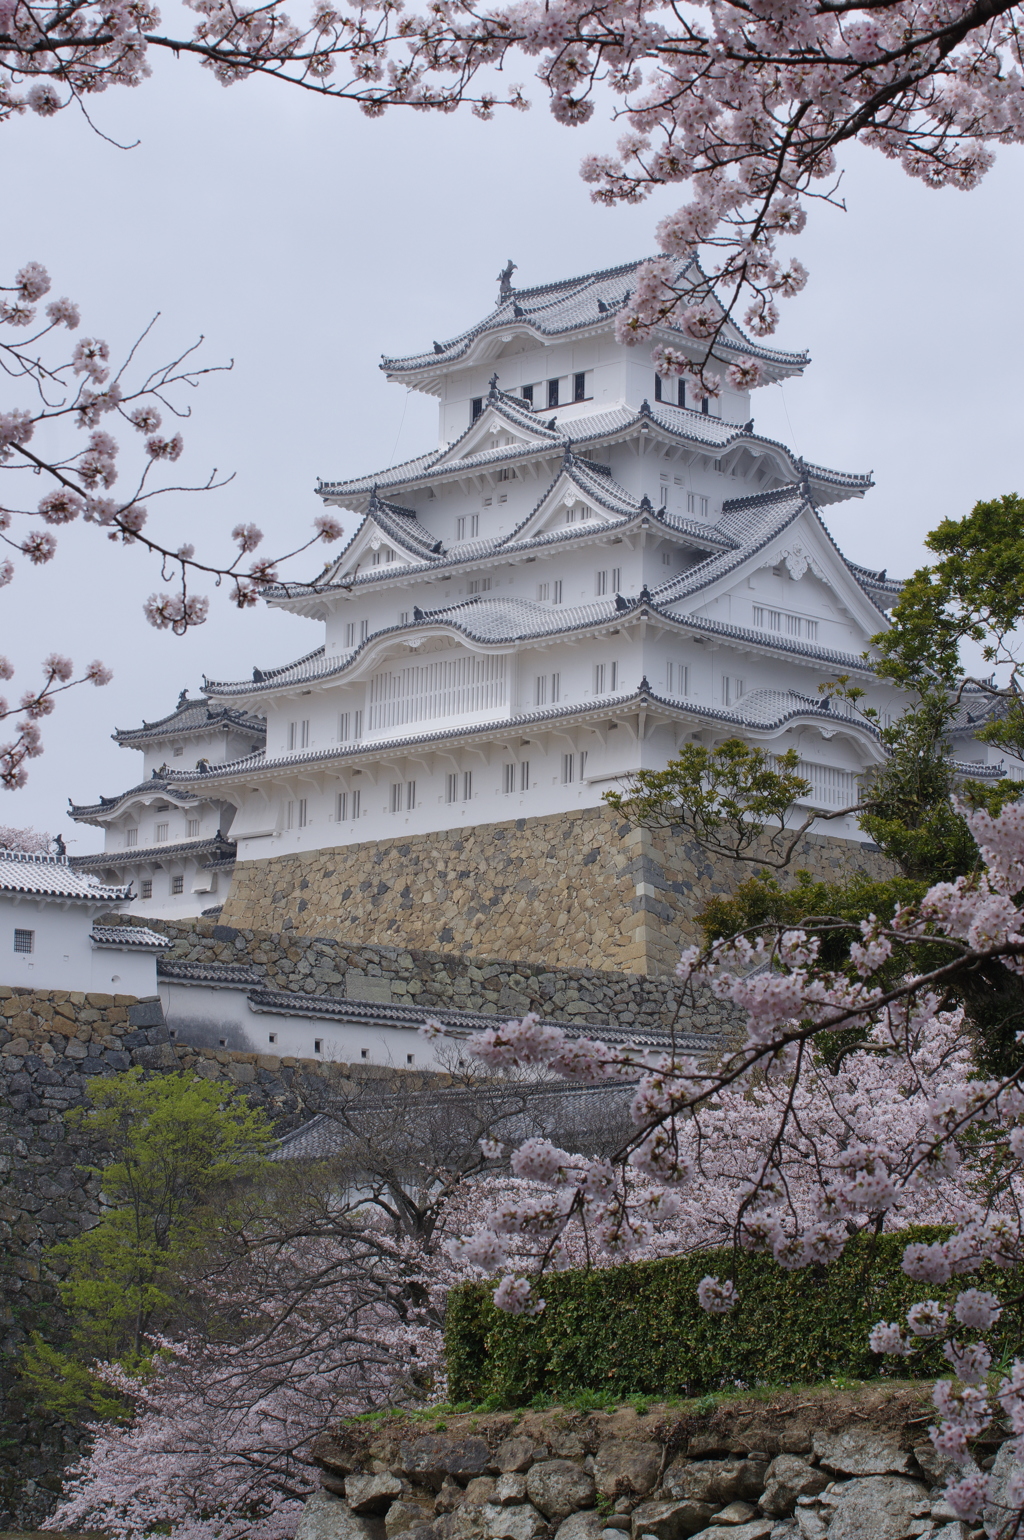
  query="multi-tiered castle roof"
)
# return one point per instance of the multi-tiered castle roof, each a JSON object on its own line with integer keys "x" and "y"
{"x": 586, "y": 548}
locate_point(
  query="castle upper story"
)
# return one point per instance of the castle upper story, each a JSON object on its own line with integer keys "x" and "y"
{"x": 554, "y": 348}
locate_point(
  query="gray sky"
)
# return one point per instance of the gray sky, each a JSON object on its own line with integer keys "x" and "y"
{"x": 304, "y": 240}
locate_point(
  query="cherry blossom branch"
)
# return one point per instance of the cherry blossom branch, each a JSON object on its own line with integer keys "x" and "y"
{"x": 34, "y": 705}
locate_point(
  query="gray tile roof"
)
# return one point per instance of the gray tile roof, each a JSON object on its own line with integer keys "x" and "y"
{"x": 747, "y": 525}
{"x": 190, "y": 717}
{"x": 572, "y": 304}
{"x": 157, "y": 785}
{"x": 131, "y": 936}
{"x": 372, "y": 1012}
{"x": 675, "y": 423}
{"x": 223, "y": 849}
{"x": 53, "y": 877}
{"x": 594, "y": 482}
{"x": 689, "y": 710}
{"x": 228, "y": 975}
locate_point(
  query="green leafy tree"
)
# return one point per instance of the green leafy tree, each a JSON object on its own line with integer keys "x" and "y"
{"x": 172, "y": 1146}
{"x": 735, "y": 799}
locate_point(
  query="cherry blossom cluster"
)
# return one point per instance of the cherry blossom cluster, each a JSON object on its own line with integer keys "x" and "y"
{"x": 778, "y": 1148}
{"x": 35, "y": 704}
{"x": 75, "y": 399}
{"x": 744, "y": 105}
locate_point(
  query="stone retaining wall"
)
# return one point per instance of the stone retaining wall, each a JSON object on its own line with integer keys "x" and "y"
{"x": 580, "y": 889}
{"x": 812, "y": 1467}
{"x": 323, "y": 965}
{"x": 51, "y": 1042}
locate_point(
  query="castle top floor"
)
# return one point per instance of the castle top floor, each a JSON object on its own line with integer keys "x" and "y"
{"x": 555, "y": 348}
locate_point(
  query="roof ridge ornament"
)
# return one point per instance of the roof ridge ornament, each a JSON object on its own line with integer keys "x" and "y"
{"x": 645, "y": 408}
{"x": 505, "y": 281}
{"x": 646, "y": 506}
{"x": 493, "y": 391}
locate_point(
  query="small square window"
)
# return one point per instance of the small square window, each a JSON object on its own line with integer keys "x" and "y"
{"x": 179, "y": 751}
{"x": 223, "y": 1042}
{"x": 271, "y": 1037}
{"x": 147, "y": 887}
{"x": 410, "y": 1058}
{"x": 177, "y": 884}
{"x": 24, "y": 940}
{"x": 364, "y": 1053}
{"x": 318, "y": 1045}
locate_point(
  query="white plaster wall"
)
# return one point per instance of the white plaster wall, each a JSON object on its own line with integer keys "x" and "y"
{"x": 63, "y": 956}
{"x": 210, "y": 1017}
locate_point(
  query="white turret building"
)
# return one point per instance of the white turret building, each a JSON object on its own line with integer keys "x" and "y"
{"x": 589, "y": 570}
{"x": 171, "y": 843}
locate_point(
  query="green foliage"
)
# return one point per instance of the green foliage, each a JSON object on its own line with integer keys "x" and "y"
{"x": 974, "y": 592}
{"x": 172, "y": 1146}
{"x": 763, "y": 900}
{"x": 637, "y": 1329}
{"x": 727, "y": 797}
{"x": 912, "y": 818}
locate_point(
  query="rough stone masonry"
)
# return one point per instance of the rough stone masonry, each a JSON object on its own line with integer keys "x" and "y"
{"x": 809, "y": 1466}
{"x": 582, "y": 889}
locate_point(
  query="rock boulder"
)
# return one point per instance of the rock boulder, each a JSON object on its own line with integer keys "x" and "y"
{"x": 877, "y": 1508}
{"x": 558, "y": 1488}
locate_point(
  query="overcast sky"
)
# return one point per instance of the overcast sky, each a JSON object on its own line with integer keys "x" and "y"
{"x": 303, "y": 241}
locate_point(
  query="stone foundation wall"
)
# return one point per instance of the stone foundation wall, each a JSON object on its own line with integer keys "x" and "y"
{"x": 582, "y": 889}
{"x": 321, "y": 965}
{"x": 810, "y": 1467}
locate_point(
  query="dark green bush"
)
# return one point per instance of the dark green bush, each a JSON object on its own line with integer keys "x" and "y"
{"x": 637, "y": 1329}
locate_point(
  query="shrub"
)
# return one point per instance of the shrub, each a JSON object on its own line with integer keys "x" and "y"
{"x": 637, "y": 1329}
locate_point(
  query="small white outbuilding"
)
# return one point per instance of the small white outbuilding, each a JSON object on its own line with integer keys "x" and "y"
{"x": 49, "y": 938}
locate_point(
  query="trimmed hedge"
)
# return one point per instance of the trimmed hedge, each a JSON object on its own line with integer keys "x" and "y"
{"x": 638, "y": 1329}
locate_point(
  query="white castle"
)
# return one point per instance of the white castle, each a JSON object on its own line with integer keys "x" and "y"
{"x": 589, "y": 570}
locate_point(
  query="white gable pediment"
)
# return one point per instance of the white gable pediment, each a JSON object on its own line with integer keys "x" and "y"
{"x": 566, "y": 504}
{"x": 495, "y": 429}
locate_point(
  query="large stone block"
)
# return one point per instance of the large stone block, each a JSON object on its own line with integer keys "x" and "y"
{"x": 877, "y": 1508}
{"x": 623, "y": 1467}
{"x": 558, "y": 1488}
{"x": 328, "y": 1518}
{"x": 863, "y": 1451}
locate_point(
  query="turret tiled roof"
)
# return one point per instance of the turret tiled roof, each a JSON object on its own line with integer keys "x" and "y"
{"x": 675, "y": 423}
{"x": 137, "y": 937}
{"x": 747, "y": 525}
{"x": 54, "y": 877}
{"x": 222, "y": 851}
{"x": 189, "y": 717}
{"x": 573, "y": 305}
{"x": 159, "y": 784}
{"x": 790, "y": 707}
